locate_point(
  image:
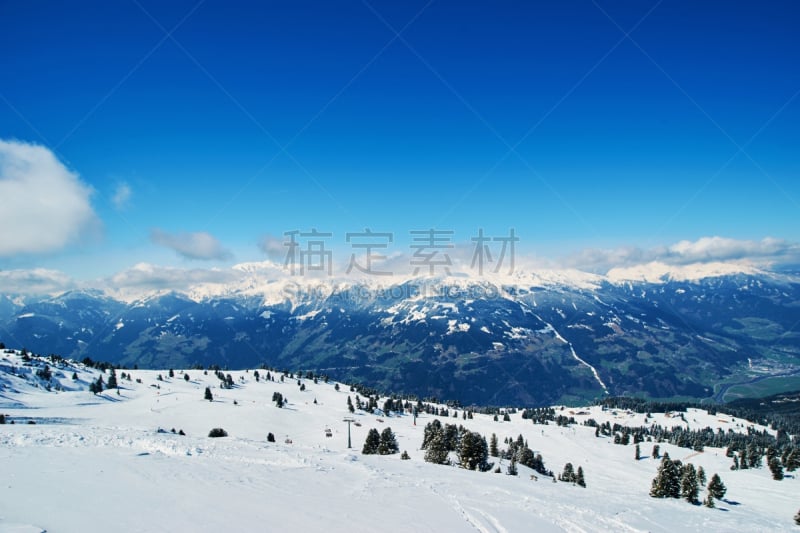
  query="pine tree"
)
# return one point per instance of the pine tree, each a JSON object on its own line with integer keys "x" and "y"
{"x": 797, "y": 518}
{"x": 435, "y": 449}
{"x": 372, "y": 443}
{"x": 388, "y": 443}
{"x": 666, "y": 484}
{"x": 636, "y": 454}
{"x": 656, "y": 451}
{"x": 350, "y": 405}
{"x": 493, "y": 451}
{"x": 568, "y": 475}
{"x": 512, "y": 467}
{"x": 208, "y": 396}
{"x": 473, "y": 451}
{"x": 579, "y": 478}
{"x": 112, "y": 380}
{"x": 716, "y": 488}
{"x": 776, "y": 468}
{"x": 701, "y": 476}
{"x": 792, "y": 462}
{"x": 689, "y": 488}
{"x": 709, "y": 501}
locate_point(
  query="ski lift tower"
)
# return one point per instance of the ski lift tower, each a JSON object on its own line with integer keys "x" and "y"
{"x": 349, "y": 421}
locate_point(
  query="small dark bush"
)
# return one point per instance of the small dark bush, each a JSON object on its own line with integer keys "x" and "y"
{"x": 217, "y": 432}
{"x": 270, "y": 438}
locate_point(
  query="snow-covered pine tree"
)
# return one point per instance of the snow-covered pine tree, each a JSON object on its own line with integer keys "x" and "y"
{"x": 208, "y": 396}
{"x": 689, "y": 488}
{"x": 436, "y": 449}
{"x": 701, "y": 476}
{"x": 579, "y": 480}
{"x": 666, "y": 484}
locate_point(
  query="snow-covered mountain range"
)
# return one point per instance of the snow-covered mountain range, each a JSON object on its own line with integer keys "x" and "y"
{"x": 529, "y": 338}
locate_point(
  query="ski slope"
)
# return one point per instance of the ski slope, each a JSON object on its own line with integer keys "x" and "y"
{"x": 99, "y": 462}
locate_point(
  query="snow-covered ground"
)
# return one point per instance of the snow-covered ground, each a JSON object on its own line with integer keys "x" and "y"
{"x": 97, "y": 463}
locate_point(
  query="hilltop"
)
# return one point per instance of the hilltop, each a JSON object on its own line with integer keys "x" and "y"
{"x": 77, "y": 461}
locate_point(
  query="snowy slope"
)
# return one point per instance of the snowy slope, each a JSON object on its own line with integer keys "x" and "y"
{"x": 93, "y": 463}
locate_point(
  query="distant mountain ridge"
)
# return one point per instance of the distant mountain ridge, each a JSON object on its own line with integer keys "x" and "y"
{"x": 533, "y": 339}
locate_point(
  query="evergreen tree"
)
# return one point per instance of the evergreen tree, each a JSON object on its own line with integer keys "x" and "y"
{"x": 277, "y": 397}
{"x": 436, "y": 449}
{"x": 208, "y": 396}
{"x": 404, "y": 456}
{"x": 776, "y": 468}
{"x": 350, "y": 405}
{"x": 372, "y": 443}
{"x": 568, "y": 474}
{"x": 171, "y": 373}
{"x": 636, "y": 453}
{"x": 689, "y": 488}
{"x": 666, "y": 484}
{"x": 512, "y": 467}
{"x": 388, "y": 443}
{"x": 493, "y": 451}
{"x": 716, "y": 488}
{"x": 473, "y": 451}
{"x": 701, "y": 476}
{"x": 112, "y": 380}
{"x": 74, "y": 376}
{"x": 186, "y": 377}
{"x": 579, "y": 478}
{"x": 709, "y": 501}
{"x": 792, "y": 462}
{"x": 656, "y": 451}
{"x": 797, "y": 518}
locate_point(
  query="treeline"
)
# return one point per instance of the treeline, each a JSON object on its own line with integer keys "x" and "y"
{"x": 765, "y": 411}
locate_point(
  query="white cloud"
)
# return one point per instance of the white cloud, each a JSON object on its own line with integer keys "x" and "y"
{"x": 766, "y": 253}
{"x": 45, "y": 205}
{"x": 273, "y": 247}
{"x": 145, "y": 275}
{"x": 122, "y": 196}
{"x": 38, "y": 281}
{"x": 198, "y": 245}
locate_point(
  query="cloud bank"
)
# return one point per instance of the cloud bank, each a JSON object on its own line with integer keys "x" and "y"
{"x": 198, "y": 245}
{"x": 766, "y": 253}
{"x": 45, "y": 205}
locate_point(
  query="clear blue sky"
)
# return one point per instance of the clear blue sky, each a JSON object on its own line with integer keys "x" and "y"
{"x": 540, "y": 116}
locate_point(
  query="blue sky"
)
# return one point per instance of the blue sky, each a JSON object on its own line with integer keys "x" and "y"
{"x": 190, "y": 132}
